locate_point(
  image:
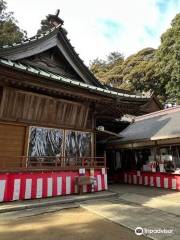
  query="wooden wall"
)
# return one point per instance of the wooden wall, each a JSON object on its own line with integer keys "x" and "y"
{"x": 12, "y": 144}
{"x": 20, "y": 109}
{"x": 14, "y": 140}
{"x": 37, "y": 109}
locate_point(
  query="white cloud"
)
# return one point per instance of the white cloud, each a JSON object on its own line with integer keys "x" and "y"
{"x": 141, "y": 22}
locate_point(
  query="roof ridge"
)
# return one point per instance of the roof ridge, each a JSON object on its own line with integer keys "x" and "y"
{"x": 31, "y": 39}
{"x": 53, "y": 76}
{"x": 158, "y": 113}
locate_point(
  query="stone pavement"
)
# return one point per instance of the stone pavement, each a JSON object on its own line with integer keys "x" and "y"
{"x": 138, "y": 206}
{"x": 162, "y": 199}
{"x": 151, "y": 192}
{"x": 62, "y": 224}
{"x": 128, "y": 205}
{"x": 45, "y": 202}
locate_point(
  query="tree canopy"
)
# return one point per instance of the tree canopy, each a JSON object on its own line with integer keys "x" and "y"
{"x": 139, "y": 73}
{"x": 136, "y": 73}
{"x": 168, "y": 57}
{"x": 9, "y": 30}
{"x": 157, "y": 70}
{"x": 149, "y": 69}
{"x": 45, "y": 26}
{"x": 108, "y": 71}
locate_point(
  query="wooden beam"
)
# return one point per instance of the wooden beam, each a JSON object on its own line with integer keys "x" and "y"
{"x": 29, "y": 107}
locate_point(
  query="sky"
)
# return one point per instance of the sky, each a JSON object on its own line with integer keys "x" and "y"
{"x": 98, "y": 27}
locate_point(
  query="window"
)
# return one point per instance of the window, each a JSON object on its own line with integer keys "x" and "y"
{"x": 78, "y": 144}
{"x": 45, "y": 142}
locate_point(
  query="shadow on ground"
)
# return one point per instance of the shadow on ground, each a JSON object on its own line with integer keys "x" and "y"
{"x": 72, "y": 224}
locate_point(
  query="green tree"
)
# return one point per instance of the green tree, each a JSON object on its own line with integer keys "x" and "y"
{"x": 50, "y": 21}
{"x": 109, "y": 70}
{"x": 136, "y": 73}
{"x": 45, "y": 26}
{"x": 9, "y": 30}
{"x": 139, "y": 73}
{"x": 157, "y": 70}
{"x": 168, "y": 55}
{"x": 115, "y": 57}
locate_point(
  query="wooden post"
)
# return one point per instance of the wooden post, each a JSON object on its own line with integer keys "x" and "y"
{"x": 155, "y": 152}
{"x": 93, "y": 153}
{"x": 105, "y": 159}
{"x": 63, "y": 162}
{"x": 2, "y": 104}
{"x": 56, "y": 159}
{"x": 26, "y": 145}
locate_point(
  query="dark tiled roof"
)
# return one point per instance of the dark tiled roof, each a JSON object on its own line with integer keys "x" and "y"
{"x": 154, "y": 126}
{"x": 51, "y": 76}
{"x": 58, "y": 32}
{"x": 56, "y": 37}
{"x": 28, "y": 40}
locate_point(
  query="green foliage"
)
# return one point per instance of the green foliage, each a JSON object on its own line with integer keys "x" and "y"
{"x": 139, "y": 71}
{"x": 45, "y": 26}
{"x": 136, "y": 73}
{"x": 168, "y": 56}
{"x": 108, "y": 70}
{"x": 115, "y": 57}
{"x": 9, "y": 30}
{"x": 149, "y": 69}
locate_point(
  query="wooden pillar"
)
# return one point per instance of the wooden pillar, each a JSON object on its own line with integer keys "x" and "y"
{"x": 105, "y": 160}
{"x": 93, "y": 153}
{"x": 92, "y": 145}
{"x": 155, "y": 151}
{"x": 63, "y": 159}
{"x": 26, "y": 146}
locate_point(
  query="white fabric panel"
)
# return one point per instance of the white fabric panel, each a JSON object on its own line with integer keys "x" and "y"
{"x": 105, "y": 182}
{"x": 17, "y": 183}
{"x": 166, "y": 182}
{"x": 134, "y": 179}
{"x": 49, "y": 187}
{"x": 152, "y": 181}
{"x": 68, "y": 185}
{"x": 158, "y": 182}
{"x": 84, "y": 188}
{"x": 28, "y": 188}
{"x": 99, "y": 183}
{"x": 173, "y": 183}
{"x": 140, "y": 180}
{"x": 146, "y": 180}
{"x": 2, "y": 189}
{"x": 103, "y": 171}
{"x": 39, "y": 188}
{"x": 59, "y": 185}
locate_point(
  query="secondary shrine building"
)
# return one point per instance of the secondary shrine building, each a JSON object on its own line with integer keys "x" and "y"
{"x": 50, "y": 108}
{"x": 147, "y": 152}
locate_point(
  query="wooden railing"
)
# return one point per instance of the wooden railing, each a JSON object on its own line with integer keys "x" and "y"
{"x": 51, "y": 162}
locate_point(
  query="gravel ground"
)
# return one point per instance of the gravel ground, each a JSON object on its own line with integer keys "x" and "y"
{"x": 69, "y": 224}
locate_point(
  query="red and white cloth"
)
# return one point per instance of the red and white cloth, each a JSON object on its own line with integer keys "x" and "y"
{"x": 19, "y": 186}
{"x": 162, "y": 180}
